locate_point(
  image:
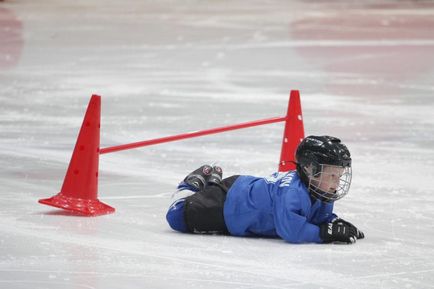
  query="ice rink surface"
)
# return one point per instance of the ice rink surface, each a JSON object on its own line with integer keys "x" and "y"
{"x": 365, "y": 70}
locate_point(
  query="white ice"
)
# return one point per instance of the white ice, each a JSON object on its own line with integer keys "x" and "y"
{"x": 365, "y": 70}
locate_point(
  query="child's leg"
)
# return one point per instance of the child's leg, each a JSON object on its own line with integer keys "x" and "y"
{"x": 195, "y": 183}
{"x": 204, "y": 210}
{"x": 175, "y": 216}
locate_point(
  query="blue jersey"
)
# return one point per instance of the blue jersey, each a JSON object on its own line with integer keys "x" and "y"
{"x": 276, "y": 206}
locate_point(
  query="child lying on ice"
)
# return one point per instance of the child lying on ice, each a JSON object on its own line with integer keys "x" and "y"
{"x": 296, "y": 206}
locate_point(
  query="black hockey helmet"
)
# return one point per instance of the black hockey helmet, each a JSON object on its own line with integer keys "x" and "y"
{"x": 313, "y": 154}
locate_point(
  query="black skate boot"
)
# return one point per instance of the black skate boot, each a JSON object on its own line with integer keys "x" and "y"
{"x": 216, "y": 175}
{"x": 196, "y": 180}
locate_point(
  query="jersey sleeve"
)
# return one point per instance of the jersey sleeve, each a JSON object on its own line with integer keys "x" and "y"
{"x": 327, "y": 214}
{"x": 290, "y": 223}
{"x": 331, "y": 218}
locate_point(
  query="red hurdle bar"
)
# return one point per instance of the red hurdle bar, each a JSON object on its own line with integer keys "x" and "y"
{"x": 190, "y": 135}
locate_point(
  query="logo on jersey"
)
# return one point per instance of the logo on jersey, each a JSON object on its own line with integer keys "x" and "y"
{"x": 284, "y": 178}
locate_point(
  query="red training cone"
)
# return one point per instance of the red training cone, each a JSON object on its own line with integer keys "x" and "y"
{"x": 80, "y": 187}
{"x": 293, "y": 134}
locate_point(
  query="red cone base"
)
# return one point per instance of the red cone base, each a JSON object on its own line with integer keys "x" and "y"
{"x": 79, "y": 206}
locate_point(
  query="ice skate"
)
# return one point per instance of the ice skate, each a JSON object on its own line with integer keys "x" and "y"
{"x": 216, "y": 175}
{"x": 197, "y": 180}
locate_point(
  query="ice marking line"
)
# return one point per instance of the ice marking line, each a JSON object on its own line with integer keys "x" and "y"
{"x": 47, "y": 282}
{"x": 307, "y": 43}
{"x": 338, "y": 43}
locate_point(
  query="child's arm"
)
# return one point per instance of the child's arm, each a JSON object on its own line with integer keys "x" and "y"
{"x": 290, "y": 224}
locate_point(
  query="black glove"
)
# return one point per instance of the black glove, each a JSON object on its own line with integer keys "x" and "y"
{"x": 359, "y": 234}
{"x": 337, "y": 231}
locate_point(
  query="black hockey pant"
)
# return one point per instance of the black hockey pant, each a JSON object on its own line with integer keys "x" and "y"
{"x": 203, "y": 211}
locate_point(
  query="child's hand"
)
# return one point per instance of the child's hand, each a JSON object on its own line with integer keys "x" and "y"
{"x": 338, "y": 231}
{"x": 359, "y": 234}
